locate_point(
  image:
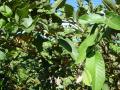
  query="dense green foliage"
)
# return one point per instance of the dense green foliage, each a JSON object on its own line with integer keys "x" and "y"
{"x": 47, "y": 46}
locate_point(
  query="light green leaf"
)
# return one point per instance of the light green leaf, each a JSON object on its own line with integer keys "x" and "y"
{"x": 68, "y": 80}
{"x": 113, "y": 20}
{"x": 89, "y": 41}
{"x": 6, "y": 11}
{"x": 96, "y": 66}
{"x": 2, "y": 56}
{"x": 22, "y": 73}
{"x": 87, "y": 79}
{"x": 105, "y": 87}
{"x": 91, "y": 18}
{"x": 27, "y": 21}
{"x": 114, "y": 48}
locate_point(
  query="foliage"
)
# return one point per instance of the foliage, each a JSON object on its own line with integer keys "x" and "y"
{"x": 54, "y": 47}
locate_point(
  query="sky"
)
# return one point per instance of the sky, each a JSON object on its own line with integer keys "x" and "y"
{"x": 74, "y": 4}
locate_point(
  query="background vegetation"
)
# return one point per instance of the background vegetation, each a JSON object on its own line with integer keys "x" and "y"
{"x": 54, "y": 47}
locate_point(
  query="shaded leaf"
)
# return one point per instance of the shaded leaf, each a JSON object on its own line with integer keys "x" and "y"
{"x": 74, "y": 53}
{"x": 68, "y": 10}
{"x": 2, "y": 55}
{"x": 65, "y": 44}
{"x": 23, "y": 10}
{"x": 2, "y": 22}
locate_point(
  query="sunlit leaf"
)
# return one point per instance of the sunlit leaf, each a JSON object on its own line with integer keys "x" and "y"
{"x": 96, "y": 66}
{"x": 27, "y": 21}
{"x": 6, "y": 11}
{"x": 105, "y": 87}
{"x": 91, "y": 18}
{"x": 113, "y": 20}
{"x": 89, "y": 41}
{"x": 22, "y": 73}
{"x": 87, "y": 79}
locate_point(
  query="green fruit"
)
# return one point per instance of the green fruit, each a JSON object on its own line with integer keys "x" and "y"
{"x": 6, "y": 11}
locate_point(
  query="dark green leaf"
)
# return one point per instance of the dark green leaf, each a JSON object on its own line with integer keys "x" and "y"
{"x": 65, "y": 44}
{"x": 69, "y": 11}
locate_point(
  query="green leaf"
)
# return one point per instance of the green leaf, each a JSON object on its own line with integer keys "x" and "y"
{"x": 96, "y": 66}
{"x": 114, "y": 48}
{"x": 26, "y": 22}
{"x": 22, "y": 73}
{"x": 91, "y": 18}
{"x": 68, "y": 80}
{"x": 117, "y": 1}
{"x": 68, "y": 10}
{"x": 110, "y": 5}
{"x": 81, "y": 11}
{"x": 23, "y": 10}
{"x": 17, "y": 18}
{"x": 6, "y": 11}
{"x": 65, "y": 44}
{"x": 70, "y": 47}
{"x": 30, "y": 24}
{"x": 87, "y": 79}
{"x": 74, "y": 54}
{"x": 11, "y": 27}
{"x": 2, "y": 56}
{"x": 105, "y": 87}
{"x": 2, "y": 22}
{"x": 89, "y": 41}
{"x": 113, "y": 20}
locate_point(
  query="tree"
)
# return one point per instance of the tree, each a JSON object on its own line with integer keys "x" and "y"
{"x": 53, "y": 47}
